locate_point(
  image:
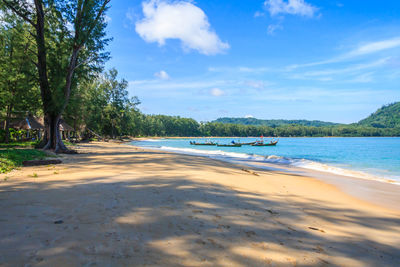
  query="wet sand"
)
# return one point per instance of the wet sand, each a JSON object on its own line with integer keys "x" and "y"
{"x": 117, "y": 205}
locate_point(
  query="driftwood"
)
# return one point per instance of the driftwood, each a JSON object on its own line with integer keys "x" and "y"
{"x": 251, "y": 172}
{"x": 95, "y": 134}
{"x": 41, "y": 162}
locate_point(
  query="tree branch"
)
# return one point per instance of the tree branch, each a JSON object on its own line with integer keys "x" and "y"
{"x": 103, "y": 7}
{"x": 18, "y": 12}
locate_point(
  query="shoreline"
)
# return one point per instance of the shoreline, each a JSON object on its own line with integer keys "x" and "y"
{"x": 379, "y": 192}
{"x": 191, "y": 137}
{"x": 116, "y": 204}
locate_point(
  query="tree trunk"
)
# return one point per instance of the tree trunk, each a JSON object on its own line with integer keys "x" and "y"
{"x": 7, "y": 124}
{"x": 52, "y": 136}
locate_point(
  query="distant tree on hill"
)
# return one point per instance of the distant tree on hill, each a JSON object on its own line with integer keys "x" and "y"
{"x": 387, "y": 116}
{"x": 273, "y": 123}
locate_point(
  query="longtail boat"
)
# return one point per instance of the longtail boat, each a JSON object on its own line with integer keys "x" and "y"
{"x": 272, "y": 143}
{"x": 248, "y": 144}
{"x": 230, "y": 145}
{"x": 202, "y": 144}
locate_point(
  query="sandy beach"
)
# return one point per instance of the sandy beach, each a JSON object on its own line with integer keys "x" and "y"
{"x": 118, "y": 205}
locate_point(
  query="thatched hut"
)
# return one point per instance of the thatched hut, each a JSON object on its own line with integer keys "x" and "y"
{"x": 30, "y": 124}
{"x": 65, "y": 129}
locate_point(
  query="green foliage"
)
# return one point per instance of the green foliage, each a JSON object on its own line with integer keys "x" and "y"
{"x": 87, "y": 39}
{"x": 13, "y": 158}
{"x": 19, "y": 92}
{"x": 386, "y": 117}
{"x": 19, "y": 144}
{"x": 273, "y": 123}
{"x": 161, "y": 125}
{"x": 103, "y": 106}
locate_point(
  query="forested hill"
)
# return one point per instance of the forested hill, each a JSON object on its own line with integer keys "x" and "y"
{"x": 386, "y": 117}
{"x": 273, "y": 123}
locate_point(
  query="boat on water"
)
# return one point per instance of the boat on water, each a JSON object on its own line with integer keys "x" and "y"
{"x": 230, "y": 145}
{"x": 272, "y": 143}
{"x": 202, "y": 144}
{"x": 247, "y": 144}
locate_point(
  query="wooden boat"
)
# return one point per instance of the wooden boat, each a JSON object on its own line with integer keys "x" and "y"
{"x": 202, "y": 144}
{"x": 272, "y": 143}
{"x": 230, "y": 145}
{"x": 247, "y": 144}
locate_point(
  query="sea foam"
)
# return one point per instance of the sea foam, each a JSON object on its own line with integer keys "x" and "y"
{"x": 250, "y": 159}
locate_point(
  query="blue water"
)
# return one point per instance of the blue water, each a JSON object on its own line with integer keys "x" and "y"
{"x": 371, "y": 157}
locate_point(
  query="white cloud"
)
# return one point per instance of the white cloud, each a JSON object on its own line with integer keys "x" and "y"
{"x": 107, "y": 19}
{"x": 361, "y": 50}
{"x": 363, "y": 78}
{"x": 292, "y": 7}
{"x": 249, "y": 116}
{"x": 217, "y": 92}
{"x": 273, "y": 27}
{"x": 259, "y": 14}
{"x": 162, "y": 75}
{"x": 256, "y": 84}
{"x": 179, "y": 20}
{"x": 374, "y": 47}
{"x": 350, "y": 69}
{"x": 240, "y": 69}
{"x": 156, "y": 84}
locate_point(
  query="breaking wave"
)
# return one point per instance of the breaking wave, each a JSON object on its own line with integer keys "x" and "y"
{"x": 250, "y": 159}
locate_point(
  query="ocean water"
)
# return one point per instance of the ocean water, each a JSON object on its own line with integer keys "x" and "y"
{"x": 376, "y": 158}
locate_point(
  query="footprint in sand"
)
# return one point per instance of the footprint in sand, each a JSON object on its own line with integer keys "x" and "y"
{"x": 316, "y": 229}
{"x": 200, "y": 241}
{"x": 224, "y": 226}
{"x": 250, "y": 233}
{"x": 197, "y": 211}
{"x": 318, "y": 249}
{"x": 272, "y": 212}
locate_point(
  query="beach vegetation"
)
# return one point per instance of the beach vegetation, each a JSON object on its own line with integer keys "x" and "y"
{"x": 19, "y": 144}
{"x": 69, "y": 39}
{"x": 13, "y": 158}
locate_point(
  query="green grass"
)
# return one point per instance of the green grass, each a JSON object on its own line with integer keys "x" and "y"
{"x": 68, "y": 143}
{"x": 13, "y": 158}
{"x": 28, "y": 144}
{"x": 19, "y": 144}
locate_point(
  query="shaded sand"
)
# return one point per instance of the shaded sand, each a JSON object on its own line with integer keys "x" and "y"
{"x": 117, "y": 205}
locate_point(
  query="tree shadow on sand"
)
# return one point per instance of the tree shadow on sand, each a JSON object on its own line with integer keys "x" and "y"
{"x": 162, "y": 219}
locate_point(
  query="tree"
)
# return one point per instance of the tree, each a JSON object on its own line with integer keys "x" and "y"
{"x": 18, "y": 86}
{"x": 70, "y": 38}
{"x": 102, "y": 104}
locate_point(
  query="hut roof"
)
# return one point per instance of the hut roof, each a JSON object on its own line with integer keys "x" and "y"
{"x": 65, "y": 126}
{"x": 32, "y": 123}
{"x": 29, "y": 123}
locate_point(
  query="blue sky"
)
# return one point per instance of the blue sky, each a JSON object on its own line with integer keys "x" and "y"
{"x": 332, "y": 60}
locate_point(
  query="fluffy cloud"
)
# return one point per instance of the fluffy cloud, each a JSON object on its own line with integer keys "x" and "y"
{"x": 292, "y": 7}
{"x": 217, "y": 92}
{"x": 179, "y": 20}
{"x": 162, "y": 75}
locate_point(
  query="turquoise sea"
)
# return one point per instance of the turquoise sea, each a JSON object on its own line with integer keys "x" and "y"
{"x": 364, "y": 157}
